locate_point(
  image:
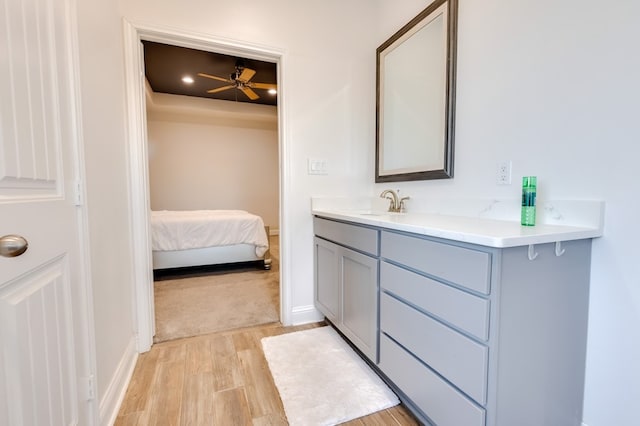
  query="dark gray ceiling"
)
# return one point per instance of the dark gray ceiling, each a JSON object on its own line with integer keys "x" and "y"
{"x": 166, "y": 65}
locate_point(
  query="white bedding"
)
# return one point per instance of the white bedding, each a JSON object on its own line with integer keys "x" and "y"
{"x": 183, "y": 230}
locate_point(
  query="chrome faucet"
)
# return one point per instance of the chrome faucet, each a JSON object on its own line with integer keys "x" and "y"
{"x": 396, "y": 204}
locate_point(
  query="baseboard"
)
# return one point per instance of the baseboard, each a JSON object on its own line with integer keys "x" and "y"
{"x": 114, "y": 395}
{"x": 305, "y": 314}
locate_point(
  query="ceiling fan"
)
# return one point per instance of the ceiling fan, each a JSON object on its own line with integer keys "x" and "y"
{"x": 241, "y": 80}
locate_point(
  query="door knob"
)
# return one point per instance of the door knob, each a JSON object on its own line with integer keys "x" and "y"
{"x": 13, "y": 245}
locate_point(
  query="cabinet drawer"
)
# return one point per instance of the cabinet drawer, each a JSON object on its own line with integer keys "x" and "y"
{"x": 357, "y": 237}
{"x": 459, "y": 359}
{"x": 442, "y": 403}
{"x": 459, "y": 265}
{"x": 468, "y": 312}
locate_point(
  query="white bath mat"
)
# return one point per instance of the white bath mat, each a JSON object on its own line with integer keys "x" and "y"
{"x": 321, "y": 380}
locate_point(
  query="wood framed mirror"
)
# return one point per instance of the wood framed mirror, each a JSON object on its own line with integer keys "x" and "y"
{"x": 415, "y": 97}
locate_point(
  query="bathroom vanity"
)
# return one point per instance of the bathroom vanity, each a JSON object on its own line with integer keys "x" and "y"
{"x": 472, "y": 321}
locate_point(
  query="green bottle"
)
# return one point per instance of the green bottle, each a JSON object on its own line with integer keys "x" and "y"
{"x": 528, "y": 214}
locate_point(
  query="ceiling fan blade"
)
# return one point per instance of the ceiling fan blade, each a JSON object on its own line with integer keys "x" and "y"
{"x": 246, "y": 74}
{"x": 220, "y": 89}
{"x": 266, "y": 86}
{"x": 250, "y": 93}
{"x": 226, "y": 80}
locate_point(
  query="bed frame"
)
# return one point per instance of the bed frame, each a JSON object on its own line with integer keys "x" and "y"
{"x": 210, "y": 256}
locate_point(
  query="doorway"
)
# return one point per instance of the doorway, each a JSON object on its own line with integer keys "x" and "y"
{"x": 212, "y": 139}
{"x": 134, "y": 62}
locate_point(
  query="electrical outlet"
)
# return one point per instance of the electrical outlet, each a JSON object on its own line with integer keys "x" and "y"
{"x": 504, "y": 173}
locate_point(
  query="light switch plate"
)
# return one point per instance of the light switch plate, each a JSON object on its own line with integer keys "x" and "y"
{"x": 316, "y": 166}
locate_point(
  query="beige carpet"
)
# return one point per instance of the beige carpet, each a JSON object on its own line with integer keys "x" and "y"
{"x": 217, "y": 300}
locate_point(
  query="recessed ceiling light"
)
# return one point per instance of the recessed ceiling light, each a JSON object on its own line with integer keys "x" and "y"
{"x": 272, "y": 91}
{"x": 187, "y": 79}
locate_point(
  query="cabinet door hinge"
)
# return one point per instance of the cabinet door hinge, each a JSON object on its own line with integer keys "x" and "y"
{"x": 89, "y": 387}
{"x": 78, "y": 195}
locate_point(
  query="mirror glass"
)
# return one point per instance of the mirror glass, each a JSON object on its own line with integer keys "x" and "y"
{"x": 416, "y": 97}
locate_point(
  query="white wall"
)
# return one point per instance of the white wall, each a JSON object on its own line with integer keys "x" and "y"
{"x": 553, "y": 87}
{"x": 103, "y": 123}
{"x": 204, "y": 160}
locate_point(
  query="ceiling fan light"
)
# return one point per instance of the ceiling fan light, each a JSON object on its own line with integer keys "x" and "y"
{"x": 272, "y": 91}
{"x": 187, "y": 79}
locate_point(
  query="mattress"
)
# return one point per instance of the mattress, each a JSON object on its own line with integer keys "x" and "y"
{"x": 184, "y": 230}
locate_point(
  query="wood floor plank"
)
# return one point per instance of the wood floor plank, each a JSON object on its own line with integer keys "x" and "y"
{"x": 230, "y": 408}
{"x": 403, "y": 416}
{"x": 131, "y": 419}
{"x": 226, "y": 367}
{"x": 261, "y": 391}
{"x": 198, "y": 357}
{"x": 165, "y": 405}
{"x": 380, "y": 418}
{"x": 137, "y": 394}
{"x": 268, "y": 332}
{"x": 291, "y": 329}
{"x": 172, "y": 351}
{"x": 245, "y": 340}
{"x": 271, "y": 420}
{"x": 197, "y": 406}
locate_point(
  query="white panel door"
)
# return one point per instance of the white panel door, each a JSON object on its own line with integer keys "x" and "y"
{"x": 44, "y": 355}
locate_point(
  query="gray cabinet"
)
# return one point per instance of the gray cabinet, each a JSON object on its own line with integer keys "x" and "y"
{"x": 473, "y": 335}
{"x": 346, "y": 281}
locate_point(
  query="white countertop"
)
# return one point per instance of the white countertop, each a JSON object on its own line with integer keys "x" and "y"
{"x": 471, "y": 229}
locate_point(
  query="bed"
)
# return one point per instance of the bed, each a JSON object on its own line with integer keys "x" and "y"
{"x": 191, "y": 238}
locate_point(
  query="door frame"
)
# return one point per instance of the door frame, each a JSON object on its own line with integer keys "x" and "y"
{"x": 134, "y": 34}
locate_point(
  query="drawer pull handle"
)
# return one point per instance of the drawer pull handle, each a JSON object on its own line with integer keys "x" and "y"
{"x": 532, "y": 254}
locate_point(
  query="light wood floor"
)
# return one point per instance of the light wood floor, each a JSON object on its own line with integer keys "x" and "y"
{"x": 217, "y": 379}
